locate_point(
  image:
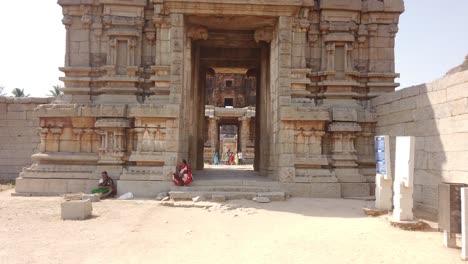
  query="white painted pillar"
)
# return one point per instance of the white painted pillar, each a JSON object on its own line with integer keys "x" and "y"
{"x": 403, "y": 184}
{"x": 383, "y": 178}
{"x": 464, "y": 223}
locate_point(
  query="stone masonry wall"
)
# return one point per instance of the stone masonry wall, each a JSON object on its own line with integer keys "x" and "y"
{"x": 436, "y": 114}
{"x": 18, "y": 134}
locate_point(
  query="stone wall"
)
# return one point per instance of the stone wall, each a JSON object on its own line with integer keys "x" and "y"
{"x": 18, "y": 134}
{"x": 436, "y": 114}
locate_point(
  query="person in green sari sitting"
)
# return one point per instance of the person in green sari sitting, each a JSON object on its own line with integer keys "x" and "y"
{"x": 106, "y": 186}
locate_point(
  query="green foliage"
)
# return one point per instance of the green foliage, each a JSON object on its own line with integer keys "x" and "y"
{"x": 17, "y": 92}
{"x": 55, "y": 91}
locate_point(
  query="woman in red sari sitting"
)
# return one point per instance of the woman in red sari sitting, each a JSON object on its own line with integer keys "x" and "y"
{"x": 183, "y": 176}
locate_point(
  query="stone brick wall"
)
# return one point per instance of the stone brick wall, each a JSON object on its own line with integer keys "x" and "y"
{"x": 436, "y": 114}
{"x": 18, "y": 134}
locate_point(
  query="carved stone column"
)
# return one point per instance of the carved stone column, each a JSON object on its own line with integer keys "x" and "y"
{"x": 113, "y": 139}
{"x": 78, "y": 132}
{"x": 56, "y": 133}
{"x": 43, "y": 132}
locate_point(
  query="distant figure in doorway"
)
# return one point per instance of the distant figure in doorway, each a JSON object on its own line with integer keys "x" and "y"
{"x": 239, "y": 154}
{"x": 183, "y": 176}
{"x": 236, "y": 159}
{"x": 106, "y": 187}
{"x": 231, "y": 158}
{"x": 216, "y": 158}
{"x": 226, "y": 157}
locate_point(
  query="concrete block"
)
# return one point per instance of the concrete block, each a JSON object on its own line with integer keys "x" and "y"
{"x": 76, "y": 210}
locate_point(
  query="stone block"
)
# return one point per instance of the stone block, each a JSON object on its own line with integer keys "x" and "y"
{"x": 458, "y": 91}
{"x": 410, "y": 91}
{"x": 395, "y": 118}
{"x": 344, "y": 114}
{"x": 351, "y": 5}
{"x": 76, "y": 209}
{"x": 297, "y": 189}
{"x": 355, "y": 189}
{"x": 325, "y": 190}
{"x": 218, "y": 198}
{"x": 93, "y": 197}
{"x": 273, "y": 196}
{"x": 459, "y": 107}
{"x": 261, "y": 199}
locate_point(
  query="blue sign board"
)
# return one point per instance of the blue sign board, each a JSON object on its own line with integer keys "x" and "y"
{"x": 380, "y": 157}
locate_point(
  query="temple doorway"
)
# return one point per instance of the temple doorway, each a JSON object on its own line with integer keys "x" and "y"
{"x": 229, "y": 96}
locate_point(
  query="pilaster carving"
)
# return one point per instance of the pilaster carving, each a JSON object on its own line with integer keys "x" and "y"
{"x": 197, "y": 33}
{"x": 264, "y": 34}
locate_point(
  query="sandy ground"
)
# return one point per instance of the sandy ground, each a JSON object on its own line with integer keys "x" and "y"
{"x": 297, "y": 231}
{"x": 4, "y": 187}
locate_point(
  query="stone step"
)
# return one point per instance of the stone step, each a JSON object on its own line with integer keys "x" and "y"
{"x": 188, "y": 195}
{"x": 231, "y": 182}
{"x": 225, "y": 189}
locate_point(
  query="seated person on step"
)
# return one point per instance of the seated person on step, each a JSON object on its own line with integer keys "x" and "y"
{"x": 183, "y": 176}
{"x": 106, "y": 186}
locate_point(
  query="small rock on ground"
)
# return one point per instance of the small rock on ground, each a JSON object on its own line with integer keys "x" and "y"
{"x": 161, "y": 196}
{"x": 374, "y": 212}
{"x": 411, "y": 225}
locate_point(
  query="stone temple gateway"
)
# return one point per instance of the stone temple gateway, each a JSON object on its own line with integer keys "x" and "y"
{"x": 136, "y": 99}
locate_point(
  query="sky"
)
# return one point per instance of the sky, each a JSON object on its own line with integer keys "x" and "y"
{"x": 433, "y": 38}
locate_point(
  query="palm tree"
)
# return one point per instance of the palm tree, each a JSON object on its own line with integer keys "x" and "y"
{"x": 17, "y": 92}
{"x": 2, "y": 88}
{"x": 56, "y": 91}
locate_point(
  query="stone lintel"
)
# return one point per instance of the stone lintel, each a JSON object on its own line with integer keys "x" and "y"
{"x": 55, "y": 110}
{"x": 236, "y": 7}
{"x": 334, "y": 37}
{"x": 124, "y": 2}
{"x": 344, "y": 127}
{"x": 76, "y": 2}
{"x": 349, "y": 5}
{"x": 123, "y": 32}
{"x": 288, "y": 113}
{"x": 151, "y": 110}
{"x": 112, "y": 123}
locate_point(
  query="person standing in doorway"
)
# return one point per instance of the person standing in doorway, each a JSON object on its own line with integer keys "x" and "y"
{"x": 236, "y": 159}
{"x": 216, "y": 158}
{"x": 241, "y": 161}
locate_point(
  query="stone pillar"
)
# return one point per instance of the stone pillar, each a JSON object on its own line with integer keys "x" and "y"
{"x": 244, "y": 133}
{"x": 464, "y": 223}
{"x": 213, "y": 132}
{"x": 285, "y": 172}
{"x": 403, "y": 184}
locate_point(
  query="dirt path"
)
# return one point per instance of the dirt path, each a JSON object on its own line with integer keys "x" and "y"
{"x": 297, "y": 231}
